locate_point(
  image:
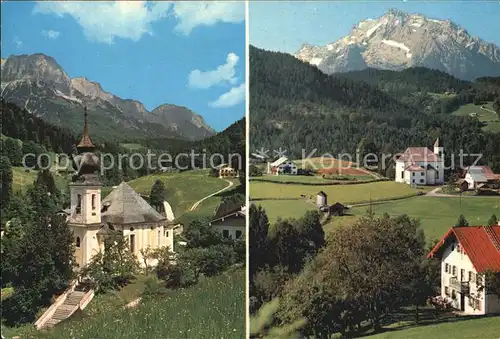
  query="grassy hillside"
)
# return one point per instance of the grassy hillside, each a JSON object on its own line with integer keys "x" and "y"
{"x": 484, "y": 113}
{"x": 470, "y": 328}
{"x": 215, "y": 308}
{"x": 22, "y": 179}
{"x": 183, "y": 189}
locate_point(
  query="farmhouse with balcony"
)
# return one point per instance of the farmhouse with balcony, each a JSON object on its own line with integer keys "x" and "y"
{"x": 466, "y": 254}
{"x": 282, "y": 166}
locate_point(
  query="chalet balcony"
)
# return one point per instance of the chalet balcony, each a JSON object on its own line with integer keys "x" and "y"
{"x": 459, "y": 286}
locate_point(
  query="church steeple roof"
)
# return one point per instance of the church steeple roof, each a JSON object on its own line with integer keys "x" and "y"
{"x": 85, "y": 142}
{"x": 436, "y": 144}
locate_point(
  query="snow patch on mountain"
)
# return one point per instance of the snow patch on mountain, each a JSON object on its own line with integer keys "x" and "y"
{"x": 373, "y": 29}
{"x": 396, "y": 44}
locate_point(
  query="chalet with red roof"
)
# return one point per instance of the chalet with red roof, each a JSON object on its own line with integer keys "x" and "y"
{"x": 466, "y": 253}
{"x": 421, "y": 166}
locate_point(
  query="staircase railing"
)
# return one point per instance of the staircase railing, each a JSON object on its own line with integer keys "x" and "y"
{"x": 47, "y": 315}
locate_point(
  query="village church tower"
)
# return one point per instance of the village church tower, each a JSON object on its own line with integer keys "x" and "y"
{"x": 85, "y": 192}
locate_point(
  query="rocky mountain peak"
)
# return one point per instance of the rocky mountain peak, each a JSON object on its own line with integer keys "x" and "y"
{"x": 40, "y": 85}
{"x": 399, "y": 40}
{"x": 38, "y": 68}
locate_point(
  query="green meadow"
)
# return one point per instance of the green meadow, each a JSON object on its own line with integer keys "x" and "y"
{"x": 437, "y": 214}
{"x": 346, "y": 194}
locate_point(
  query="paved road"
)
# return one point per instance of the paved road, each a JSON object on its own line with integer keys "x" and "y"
{"x": 196, "y": 204}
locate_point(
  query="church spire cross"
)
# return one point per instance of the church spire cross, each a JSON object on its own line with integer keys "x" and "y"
{"x": 85, "y": 143}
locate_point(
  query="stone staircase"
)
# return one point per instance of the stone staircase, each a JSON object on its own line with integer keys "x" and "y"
{"x": 74, "y": 298}
{"x": 65, "y": 310}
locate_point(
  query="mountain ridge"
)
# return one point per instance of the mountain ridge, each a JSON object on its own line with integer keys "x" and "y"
{"x": 39, "y": 84}
{"x": 398, "y": 40}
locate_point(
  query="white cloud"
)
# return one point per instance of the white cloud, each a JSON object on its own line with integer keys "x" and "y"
{"x": 17, "y": 42}
{"x": 191, "y": 14}
{"x": 106, "y": 21}
{"x": 51, "y": 34}
{"x": 235, "y": 96}
{"x": 223, "y": 73}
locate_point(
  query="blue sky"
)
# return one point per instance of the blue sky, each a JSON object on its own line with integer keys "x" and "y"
{"x": 285, "y": 26}
{"x": 189, "y": 54}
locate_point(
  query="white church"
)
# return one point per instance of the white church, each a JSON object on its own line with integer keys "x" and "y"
{"x": 123, "y": 212}
{"x": 421, "y": 166}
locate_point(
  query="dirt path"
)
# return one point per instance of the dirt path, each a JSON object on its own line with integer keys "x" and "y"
{"x": 196, "y": 204}
{"x": 489, "y": 110}
{"x": 434, "y": 193}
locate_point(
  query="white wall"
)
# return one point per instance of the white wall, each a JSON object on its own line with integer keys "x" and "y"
{"x": 88, "y": 215}
{"x": 461, "y": 261}
{"x": 231, "y": 230}
{"x": 400, "y": 167}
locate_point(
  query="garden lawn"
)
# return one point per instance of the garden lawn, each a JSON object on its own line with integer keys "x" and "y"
{"x": 346, "y": 194}
{"x": 467, "y": 328}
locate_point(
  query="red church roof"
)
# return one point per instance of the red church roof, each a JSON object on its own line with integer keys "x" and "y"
{"x": 418, "y": 154}
{"x": 480, "y": 243}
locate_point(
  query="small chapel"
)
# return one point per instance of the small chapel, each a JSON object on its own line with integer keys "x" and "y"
{"x": 123, "y": 211}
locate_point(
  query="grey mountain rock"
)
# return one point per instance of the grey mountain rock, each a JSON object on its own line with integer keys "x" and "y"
{"x": 398, "y": 40}
{"x": 39, "y": 84}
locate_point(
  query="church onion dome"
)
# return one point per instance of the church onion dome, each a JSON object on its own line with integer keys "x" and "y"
{"x": 87, "y": 163}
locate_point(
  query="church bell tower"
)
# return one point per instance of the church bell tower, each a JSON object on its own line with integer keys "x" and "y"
{"x": 86, "y": 187}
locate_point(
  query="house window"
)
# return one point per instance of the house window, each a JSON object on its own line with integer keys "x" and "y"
{"x": 422, "y": 173}
{"x": 132, "y": 243}
{"x": 447, "y": 291}
{"x": 421, "y": 181}
{"x": 472, "y": 277}
{"x": 238, "y": 234}
{"x": 478, "y": 304}
{"x": 462, "y": 275}
{"x": 77, "y": 242}
{"x": 453, "y": 294}
{"x": 458, "y": 247}
{"x": 454, "y": 271}
{"x": 413, "y": 173}
{"x": 447, "y": 268}
{"x": 225, "y": 233}
{"x": 402, "y": 175}
{"x": 166, "y": 234}
{"x": 93, "y": 201}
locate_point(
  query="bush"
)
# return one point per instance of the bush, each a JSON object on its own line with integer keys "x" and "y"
{"x": 153, "y": 288}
